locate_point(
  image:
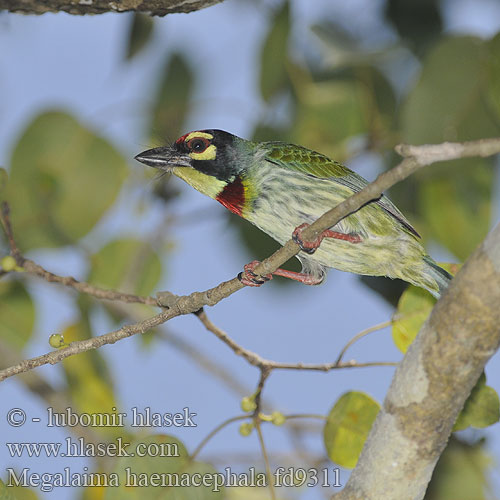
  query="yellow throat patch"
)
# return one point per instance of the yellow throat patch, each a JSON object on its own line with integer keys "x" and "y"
{"x": 206, "y": 184}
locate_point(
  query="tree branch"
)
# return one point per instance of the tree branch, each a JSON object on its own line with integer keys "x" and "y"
{"x": 81, "y": 7}
{"x": 432, "y": 383}
{"x": 266, "y": 364}
{"x": 194, "y": 302}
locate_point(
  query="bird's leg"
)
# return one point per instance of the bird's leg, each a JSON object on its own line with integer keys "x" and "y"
{"x": 249, "y": 278}
{"x": 307, "y": 279}
{"x": 311, "y": 246}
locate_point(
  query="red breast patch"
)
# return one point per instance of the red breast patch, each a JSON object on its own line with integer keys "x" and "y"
{"x": 233, "y": 196}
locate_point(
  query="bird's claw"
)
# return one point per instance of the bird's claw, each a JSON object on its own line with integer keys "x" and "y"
{"x": 311, "y": 246}
{"x": 306, "y": 246}
{"x": 248, "y": 278}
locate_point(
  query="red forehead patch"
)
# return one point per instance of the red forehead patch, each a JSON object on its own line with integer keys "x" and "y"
{"x": 182, "y": 139}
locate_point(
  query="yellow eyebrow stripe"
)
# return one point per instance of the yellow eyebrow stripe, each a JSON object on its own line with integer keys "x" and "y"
{"x": 192, "y": 135}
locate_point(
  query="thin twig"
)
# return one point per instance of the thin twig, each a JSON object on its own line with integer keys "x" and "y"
{"x": 362, "y": 334}
{"x": 262, "y": 363}
{"x": 4, "y": 214}
{"x": 305, "y": 415}
{"x": 266, "y": 458}
{"x": 265, "y": 371}
{"x": 213, "y": 432}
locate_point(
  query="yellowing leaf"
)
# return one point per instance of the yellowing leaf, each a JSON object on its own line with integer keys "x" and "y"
{"x": 62, "y": 179}
{"x": 414, "y": 308}
{"x": 17, "y": 314}
{"x": 347, "y": 427}
{"x": 88, "y": 381}
{"x": 481, "y": 409}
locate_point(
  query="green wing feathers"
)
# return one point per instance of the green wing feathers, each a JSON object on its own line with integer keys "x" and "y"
{"x": 315, "y": 164}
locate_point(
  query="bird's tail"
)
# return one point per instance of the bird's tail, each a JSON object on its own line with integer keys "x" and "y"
{"x": 437, "y": 274}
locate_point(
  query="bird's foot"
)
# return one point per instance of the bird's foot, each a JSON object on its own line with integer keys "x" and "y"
{"x": 311, "y": 246}
{"x": 249, "y": 278}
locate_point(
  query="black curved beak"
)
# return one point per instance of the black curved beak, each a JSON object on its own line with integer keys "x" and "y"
{"x": 164, "y": 158}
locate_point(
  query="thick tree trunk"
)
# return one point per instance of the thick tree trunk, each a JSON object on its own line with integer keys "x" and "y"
{"x": 432, "y": 383}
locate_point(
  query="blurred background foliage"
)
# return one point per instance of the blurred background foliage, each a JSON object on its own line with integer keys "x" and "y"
{"x": 335, "y": 91}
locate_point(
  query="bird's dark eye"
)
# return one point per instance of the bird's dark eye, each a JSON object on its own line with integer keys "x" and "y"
{"x": 198, "y": 144}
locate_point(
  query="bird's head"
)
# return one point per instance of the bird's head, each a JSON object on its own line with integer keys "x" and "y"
{"x": 208, "y": 160}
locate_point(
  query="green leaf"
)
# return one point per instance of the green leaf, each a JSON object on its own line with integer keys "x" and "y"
{"x": 481, "y": 409}
{"x": 167, "y": 466}
{"x": 3, "y": 179}
{"x": 62, "y": 179}
{"x": 417, "y": 22}
{"x": 328, "y": 115}
{"x": 88, "y": 380}
{"x": 16, "y": 492}
{"x": 455, "y": 200}
{"x": 264, "y": 132}
{"x": 171, "y": 108}
{"x": 347, "y": 427}
{"x": 140, "y": 31}
{"x": 273, "y": 73}
{"x": 6, "y": 493}
{"x": 414, "y": 308}
{"x": 448, "y": 101}
{"x": 493, "y": 74}
{"x": 340, "y": 49}
{"x": 461, "y": 473}
{"x": 126, "y": 264}
{"x": 17, "y": 312}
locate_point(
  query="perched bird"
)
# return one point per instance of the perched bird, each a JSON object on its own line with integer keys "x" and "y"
{"x": 281, "y": 188}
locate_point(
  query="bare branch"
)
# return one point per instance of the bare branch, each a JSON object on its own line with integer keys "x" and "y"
{"x": 432, "y": 153}
{"x": 267, "y": 364}
{"x": 79, "y": 346}
{"x": 215, "y": 431}
{"x": 82, "y": 287}
{"x": 432, "y": 383}
{"x": 81, "y": 7}
{"x": 265, "y": 455}
{"x": 37, "y": 270}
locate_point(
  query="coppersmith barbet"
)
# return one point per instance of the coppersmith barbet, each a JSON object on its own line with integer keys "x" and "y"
{"x": 282, "y": 187}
